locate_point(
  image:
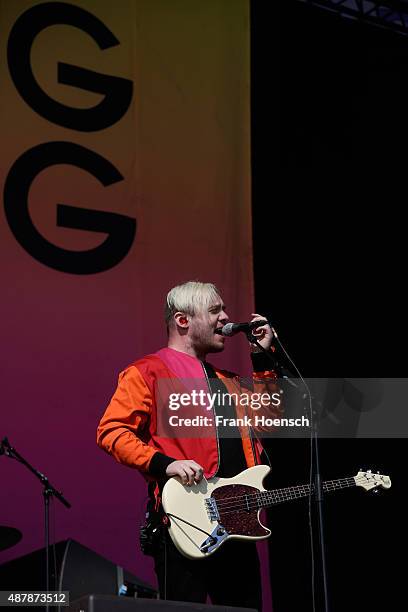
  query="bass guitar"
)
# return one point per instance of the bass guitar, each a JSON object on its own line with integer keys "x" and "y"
{"x": 203, "y": 516}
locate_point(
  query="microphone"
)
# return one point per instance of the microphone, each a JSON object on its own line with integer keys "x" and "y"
{"x": 230, "y": 329}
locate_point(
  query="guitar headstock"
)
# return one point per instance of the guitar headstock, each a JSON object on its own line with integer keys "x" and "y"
{"x": 369, "y": 480}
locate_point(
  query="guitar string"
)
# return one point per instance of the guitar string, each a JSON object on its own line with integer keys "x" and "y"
{"x": 330, "y": 485}
{"x": 254, "y": 505}
{"x": 268, "y": 497}
{"x": 252, "y": 499}
{"x": 344, "y": 483}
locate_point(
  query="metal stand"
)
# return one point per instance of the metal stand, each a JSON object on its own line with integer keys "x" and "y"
{"x": 315, "y": 468}
{"x": 48, "y": 492}
{"x": 318, "y": 494}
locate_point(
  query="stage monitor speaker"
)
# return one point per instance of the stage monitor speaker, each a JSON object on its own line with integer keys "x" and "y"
{"x": 104, "y": 603}
{"x": 74, "y": 568}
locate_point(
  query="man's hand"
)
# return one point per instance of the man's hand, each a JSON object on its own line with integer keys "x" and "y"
{"x": 187, "y": 470}
{"x": 263, "y": 334}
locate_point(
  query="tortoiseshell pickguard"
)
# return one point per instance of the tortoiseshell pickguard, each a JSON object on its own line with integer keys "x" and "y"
{"x": 238, "y": 521}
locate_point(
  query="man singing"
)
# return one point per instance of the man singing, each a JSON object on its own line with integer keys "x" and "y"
{"x": 129, "y": 431}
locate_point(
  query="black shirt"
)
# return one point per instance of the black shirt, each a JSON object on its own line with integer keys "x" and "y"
{"x": 231, "y": 454}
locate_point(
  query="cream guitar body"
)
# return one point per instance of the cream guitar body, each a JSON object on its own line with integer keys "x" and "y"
{"x": 199, "y": 505}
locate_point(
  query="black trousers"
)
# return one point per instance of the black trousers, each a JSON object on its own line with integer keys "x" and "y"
{"x": 230, "y": 576}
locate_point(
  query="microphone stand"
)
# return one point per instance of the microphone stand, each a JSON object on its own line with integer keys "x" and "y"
{"x": 48, "y": 492}
{"x": 319, "y": 504}
{"x": 315, "y": 467}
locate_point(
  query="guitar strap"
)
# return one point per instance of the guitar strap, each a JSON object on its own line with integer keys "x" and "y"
{"x": 232, "y": 458}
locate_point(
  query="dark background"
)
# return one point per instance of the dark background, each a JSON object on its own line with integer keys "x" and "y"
{"x": 329, "y": 134}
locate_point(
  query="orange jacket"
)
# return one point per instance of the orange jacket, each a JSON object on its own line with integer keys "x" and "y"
{"x": 131, "y": 428}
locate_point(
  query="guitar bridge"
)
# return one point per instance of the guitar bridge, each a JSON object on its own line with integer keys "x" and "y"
{"x": 218, "y": 534}
{"x": 212, "y": 510}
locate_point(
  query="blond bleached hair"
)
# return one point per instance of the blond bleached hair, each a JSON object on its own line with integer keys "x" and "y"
{"x": 190, "y": 298}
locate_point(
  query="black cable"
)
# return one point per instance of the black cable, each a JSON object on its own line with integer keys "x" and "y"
{"x": 165, "y": 567}
{"x": 191, "y": 524}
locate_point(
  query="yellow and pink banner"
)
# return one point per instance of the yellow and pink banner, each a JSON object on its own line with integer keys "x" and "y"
{"x": 125, "y": 170}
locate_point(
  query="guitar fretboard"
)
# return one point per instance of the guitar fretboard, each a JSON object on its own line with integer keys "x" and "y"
{"x": 266, "y": 499}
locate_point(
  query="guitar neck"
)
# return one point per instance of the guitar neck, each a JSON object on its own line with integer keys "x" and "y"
{"x": 267, "y": 499}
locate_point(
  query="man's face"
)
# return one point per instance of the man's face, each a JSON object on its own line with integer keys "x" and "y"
{"x": 203, "y": 325}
